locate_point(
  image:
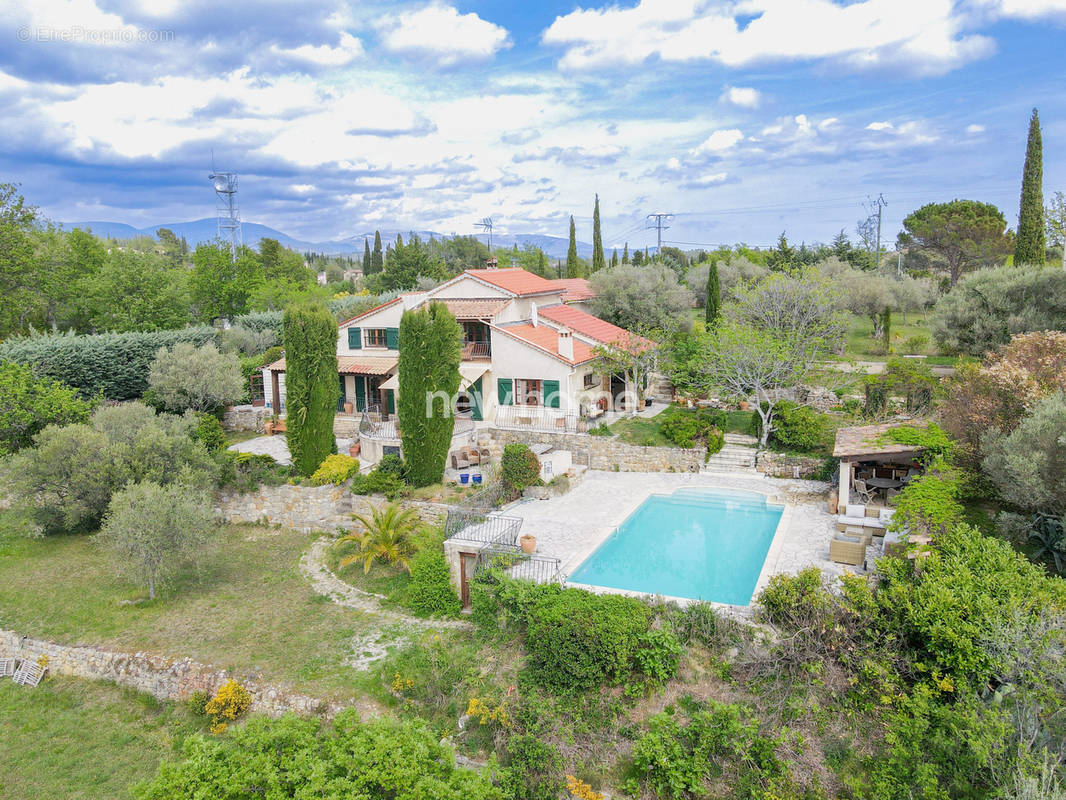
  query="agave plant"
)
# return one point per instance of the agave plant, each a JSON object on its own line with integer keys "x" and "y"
{"x": 1050, "y": 534}
{"x": 387, "y": 536}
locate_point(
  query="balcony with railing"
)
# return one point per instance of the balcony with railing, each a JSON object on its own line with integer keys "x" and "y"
{"x": 478, "y": 350}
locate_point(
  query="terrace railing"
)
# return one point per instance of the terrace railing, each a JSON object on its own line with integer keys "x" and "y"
{"x": 483, "y": 527}
{"x": 537, "y": 418}
{"x": 372, "y": 426}
{"x": 476, "y": 350}
{"x": 536, "y": 568}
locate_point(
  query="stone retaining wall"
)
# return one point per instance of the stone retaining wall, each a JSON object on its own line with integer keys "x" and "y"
{"x": 159, "y": 676}
{"x": 779, "y": 465}
{"x": 245, "y": 418}
{"x": 610, "y": 454}
{"x": 311, "y": 508}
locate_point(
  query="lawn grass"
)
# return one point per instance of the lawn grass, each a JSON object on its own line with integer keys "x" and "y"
{"x": 247, "y": 608}
{"x": 236, "y": 437}
{"x": 645, "y": 430}
{"x": 84, "y": 740}
{"x": 861, "y": 346}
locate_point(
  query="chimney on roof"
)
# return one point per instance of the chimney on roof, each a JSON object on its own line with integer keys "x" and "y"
{"x": 566, "y": 345}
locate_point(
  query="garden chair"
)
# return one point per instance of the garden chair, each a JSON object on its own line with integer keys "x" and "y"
{"x": 7, "y": 667}
{"x": 485, "y": 455}
{"x": 844, "y": 549}
{"x": 866, "y": 495}
{"x": 471, "y": 455}
{"x": 458, "y": 462}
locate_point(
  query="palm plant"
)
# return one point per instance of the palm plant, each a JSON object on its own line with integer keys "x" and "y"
{"x": 388, "y": 536}
{"x": 1050, "y": 534}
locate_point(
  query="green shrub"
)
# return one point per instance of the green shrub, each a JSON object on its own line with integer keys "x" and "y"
{"x": 520, "y": 467}
{"x": 687, "y": 428}
{"x": 431, "y": 593}
{"x": 378, "y": 482}
{"x": 391, "y": 464}
{"x": 310, "y": 336}
{"x": 336, "y": 469}
{"x": 929, "y": 504}
{"x": 113, "y": 364}
{"x": 209, "y": 432}
{"x": 797, "y": 428}
{"x": 28, "y": 404}
{"x": 534, "y": 769}
{"x": 658, "y": 655}
{"x": 793, "y": 600}
{"x": 246, "y": 472}
{"x": 196, "y": 702}
{"x": 916, "y": 344}
{"x": 190, "y": 378}
{"x": 600, "y": 430}
{"x": 579, "y": 641}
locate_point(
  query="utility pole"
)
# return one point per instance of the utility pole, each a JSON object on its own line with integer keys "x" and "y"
{"x": 881, "y": 203}
{"x": 659, "y": 218}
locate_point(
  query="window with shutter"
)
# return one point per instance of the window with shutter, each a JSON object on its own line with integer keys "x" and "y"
{"x": 355, "y": 338}
{"x": 551, "y": 394}
{"x": 392, "y": 338}
{"x": 505, "y": 391}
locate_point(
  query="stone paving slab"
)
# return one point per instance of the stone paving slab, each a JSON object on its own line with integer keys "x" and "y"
{"x": 277, "y": 447}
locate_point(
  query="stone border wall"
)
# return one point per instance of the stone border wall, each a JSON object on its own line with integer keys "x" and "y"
{"x": 159, "y": 676}
{"x": 779, "y": 465}
{"x": 610, "y": 454}
{"x": 310, "y": 508}
{"x": 245, "y": 418}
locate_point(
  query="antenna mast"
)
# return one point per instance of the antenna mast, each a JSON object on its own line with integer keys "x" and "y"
{"x": 229, "y": 215}
{"x": 486, "y": 227}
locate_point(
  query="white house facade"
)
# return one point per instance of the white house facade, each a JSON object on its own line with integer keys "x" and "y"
{"x": 528, "y": 354}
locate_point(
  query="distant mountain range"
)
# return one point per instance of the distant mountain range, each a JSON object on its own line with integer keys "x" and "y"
{"x": 204, "y": 230}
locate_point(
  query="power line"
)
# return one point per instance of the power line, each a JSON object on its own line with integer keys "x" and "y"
{"x": 659, "y": 218}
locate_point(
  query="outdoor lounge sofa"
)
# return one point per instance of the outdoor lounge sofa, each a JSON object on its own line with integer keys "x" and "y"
{"x": 855, "y": 515}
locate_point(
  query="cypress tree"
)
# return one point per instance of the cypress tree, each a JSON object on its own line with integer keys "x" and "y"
{"x": 886, "y": 329}
{"x": 1029, "y": 245}
{"x": 714, "y": 296}
{"x": 638, "y": 257}
{"x": 430, "y": 352}
{"x": 572, "y": 267}
{"x": 366, "y": 257}
{"x": 614, "y": 258}
{"x": 377, "y": 261}
{"x": 311, "y": 386}
{"x": 598, "y": 261}
{"x": 542, "y": 264}
{"x": 625, "y": 254}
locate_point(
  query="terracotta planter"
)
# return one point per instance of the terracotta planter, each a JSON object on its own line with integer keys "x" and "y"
{"x": 529, "y": 544}
{"x": 353, "y": 450}
{"x": 833, "y": 501}
{"x": 268, "y": 428}
{"x": 744, "y": 405}
{"x": 349, "y": 408}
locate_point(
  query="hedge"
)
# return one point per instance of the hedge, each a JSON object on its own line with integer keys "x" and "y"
{"x": 115, "y": 364}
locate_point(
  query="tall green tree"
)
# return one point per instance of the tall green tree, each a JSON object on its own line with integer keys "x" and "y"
{"x": 311, "y": 385}
{"x": 614, "y": 257}
{"x": 221, "y": 285}
{"x": 573, "y": 266}
{"x": 366, "y": 256}
{"x": 961, "y": 235}
{"x": 713, "y": 305}
{"x": 1030, "y": 246}
{"x": 625, "y": 253}
{"x": 598, "y": 261}
{"x": 18, "y": 267}
{"x": 377, "y": 260}
{"x": 430, "y": 353}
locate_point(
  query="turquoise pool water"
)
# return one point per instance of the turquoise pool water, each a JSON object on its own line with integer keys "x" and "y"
{"x": 700, "y": 544}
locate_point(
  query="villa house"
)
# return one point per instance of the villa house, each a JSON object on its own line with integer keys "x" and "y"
{"x": 527, "y": 358}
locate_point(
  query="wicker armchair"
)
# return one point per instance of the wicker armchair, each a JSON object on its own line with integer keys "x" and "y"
{"x": 842, "y": 550}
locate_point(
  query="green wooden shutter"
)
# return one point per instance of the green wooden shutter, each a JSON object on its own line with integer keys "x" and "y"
{"x": 505, "y": 391}
{"x": 390, "y": 401}
{"x": 355, "y": 338}
{"x": 360, "y": 393}
{"x": 551, "y": 394}
{"x": 475, "y": 400}
{"x": 392, "y": 338}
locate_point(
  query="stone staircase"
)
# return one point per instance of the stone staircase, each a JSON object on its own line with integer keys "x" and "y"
{"x": 737, "y": 455}
{"x": 660, "y": 388}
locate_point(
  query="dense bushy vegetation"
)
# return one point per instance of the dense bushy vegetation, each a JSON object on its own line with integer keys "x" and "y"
{"x": 28, "y": 404}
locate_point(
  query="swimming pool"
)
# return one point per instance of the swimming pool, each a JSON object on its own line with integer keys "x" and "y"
{"x": 700, "y": 544}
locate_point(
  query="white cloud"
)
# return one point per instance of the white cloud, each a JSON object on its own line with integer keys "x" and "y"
{"x": 922, "y": 35}
{"x": 347, "y": 50}
{"x": 709, "y": 179}
{"x": 879, "y": 126}
{"x": 741, "y": 96}
{"x": 719, "y": 141}
{"x": 1028, "y": 9}
{"x": 975, "y": 129}
{"x": 440, "y": 33}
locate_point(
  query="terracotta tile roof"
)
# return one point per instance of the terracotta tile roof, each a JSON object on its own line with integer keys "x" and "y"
{"x": 577, "y": 289}
{"x": 351, "y": 365}
{"x": 584, "y": 323}
{"x": 515, "y": 280}
{"x": 472, "y": 308}
{"x": 864, "y": 440}
{"x": 547, "y": 339}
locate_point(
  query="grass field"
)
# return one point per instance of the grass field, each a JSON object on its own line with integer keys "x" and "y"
{"x": 645, "y": 430}
{"x": 863, "y": 347}
{"x": 246, "y": 608}
{"x": 84, "y": 740}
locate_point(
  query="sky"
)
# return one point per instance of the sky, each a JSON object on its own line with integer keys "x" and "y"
{"x": 742, "y": 118}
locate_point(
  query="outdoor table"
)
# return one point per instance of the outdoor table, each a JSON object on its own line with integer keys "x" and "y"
{"x": 884, "y": 483}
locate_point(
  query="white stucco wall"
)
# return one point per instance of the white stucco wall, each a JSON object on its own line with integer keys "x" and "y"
{"x": 514, "y": 359}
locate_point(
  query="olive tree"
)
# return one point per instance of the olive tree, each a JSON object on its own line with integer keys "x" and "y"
{"x": 635, "y": 297}
{"x": 1028, "y": 465}
{"x": 187, "y": 377}
{"x": 801, "y": 310}
{"x": 151, "y": 530}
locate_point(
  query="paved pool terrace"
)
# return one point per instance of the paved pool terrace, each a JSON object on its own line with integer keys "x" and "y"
{"x": 572, "y": 526}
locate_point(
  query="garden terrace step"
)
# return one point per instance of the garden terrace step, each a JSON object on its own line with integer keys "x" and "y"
{"x": 741, "y": 439}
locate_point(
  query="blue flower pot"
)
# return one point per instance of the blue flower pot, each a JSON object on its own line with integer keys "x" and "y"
{"x": 464, "y": 478}
{"x": 476, "y": 479}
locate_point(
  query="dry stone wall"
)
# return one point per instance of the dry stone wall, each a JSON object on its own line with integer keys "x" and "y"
{"x": 245, "y": 418}
{"x": 310, "y": 508}
{"x": 162, "y": 677}
{"x": 609, "y": 454}
{"x": 779, "y": 465}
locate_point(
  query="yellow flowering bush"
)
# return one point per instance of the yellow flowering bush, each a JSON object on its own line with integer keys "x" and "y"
{"x": 484, "y": 711}
{"x": 401, "y": 684}
{"x": 336, "y": 469}
{"x": 229, "y": 703}
{"x": 581, "y": 790}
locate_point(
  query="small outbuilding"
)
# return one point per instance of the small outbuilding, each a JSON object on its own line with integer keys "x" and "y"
{"x": 873, "y": 467}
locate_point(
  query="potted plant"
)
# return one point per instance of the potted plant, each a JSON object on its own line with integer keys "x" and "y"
{"x": 268, "y": 425}
{"x": 349, "y": 407}
{"x": 529, "y": 543}
{"x": 464, "y": 478}
{"x": 354, "y": 448}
